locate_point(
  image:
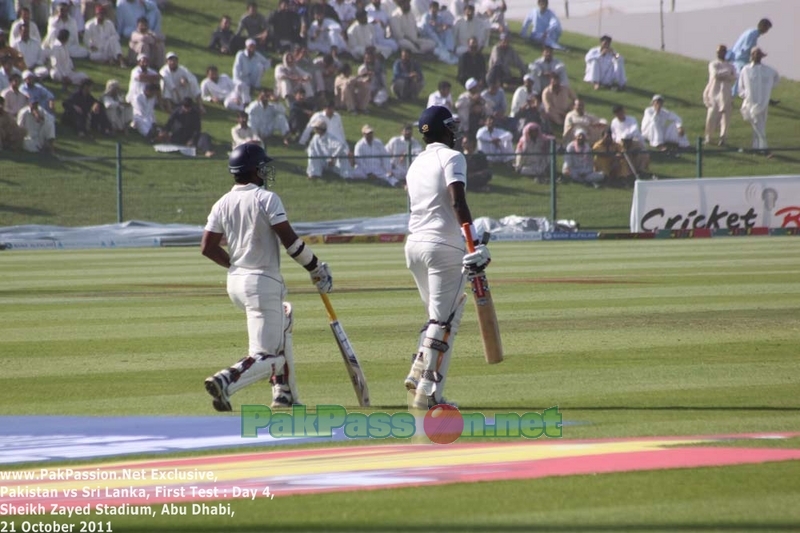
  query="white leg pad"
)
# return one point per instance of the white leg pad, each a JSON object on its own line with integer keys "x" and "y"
{"x": 249, "y": 370}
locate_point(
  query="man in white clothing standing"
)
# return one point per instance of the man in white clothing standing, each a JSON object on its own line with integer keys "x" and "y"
{"x": 755, "y": 87}
{"x": 717, "y": 95}
{"x": 253, "y": 222}
{"x": 435, "y": 251}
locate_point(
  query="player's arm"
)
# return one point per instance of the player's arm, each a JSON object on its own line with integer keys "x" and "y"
{"x": 211, "y": 247}
{"x": 300, "y": 252}
{"x": 477, "y": 261}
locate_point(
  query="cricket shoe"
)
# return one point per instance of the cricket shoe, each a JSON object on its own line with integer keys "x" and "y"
{"x": 424, "y": 403}
{"x": 281, "y": 396}
{"x": 413, "y": 377}
{"x": 216, "y": 388}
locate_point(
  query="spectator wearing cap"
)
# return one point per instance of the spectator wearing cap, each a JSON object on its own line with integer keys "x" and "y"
{"x": 221, "y": 89}
{"x": 146, "y": 41}
{"x": 118, "y": 111}
{"x": 471, "y": 64}
{"x": 407, "y": 77}
{"x": 521, "y": 95}
{"x": 141, "y": 76}
{"x": 36, "y": 93}
{"x": 249, "y": 66}
{"x": 579, "y": 163}
{"x": 579, "y": 118}
{"x": 178, "y": 84}
{"x": 14, "y": 99}
{"x": 471, "y": 108}
{"x": 61, "y": 67}
{"x": 442, "y": 97}
{"x": 352, "y": 92}
{"x": 40, "y": 129}
{"x": 130, "y": 11}
{"x": 372, "y": 159}
{"x": 495, "y": 142}
{"x": 605, "y": 67}
{"x": 31, "y": 51}
{"x": 102, "y": 39}
{"x": 662, "y": 128}
{"x": 333, "y": 123}
{"x": 503, "y": 61}
{"x": 11, "y": 135}
{"x": 326, "y": 152}
{"x": 62, "y": 20}
{"x": 402, "y": 148}
{"x": 242, "y": 133}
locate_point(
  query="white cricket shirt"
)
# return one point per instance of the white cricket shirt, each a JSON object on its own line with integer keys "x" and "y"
{"x": 245, "y": 216}
{"x": 433, "y": 218}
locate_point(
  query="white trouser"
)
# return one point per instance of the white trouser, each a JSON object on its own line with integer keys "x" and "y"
{"x": 261, "y": 298}
{"x": 759, "y": 123}
{"x": 436, "y": 269}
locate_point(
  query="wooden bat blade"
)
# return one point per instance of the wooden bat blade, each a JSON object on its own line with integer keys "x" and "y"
{"x": 351, "y": 364}
{"x": 487, "y": 321}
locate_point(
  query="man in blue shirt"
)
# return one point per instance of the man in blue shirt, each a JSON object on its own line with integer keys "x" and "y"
{"x": 130, "y": 11}
{"x": 542, "y": 26}
{"x": 739, "y": 53}
{"x": 36, "y": 92}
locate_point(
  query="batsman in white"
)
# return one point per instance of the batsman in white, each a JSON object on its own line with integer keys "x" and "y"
{"x": 253, "y": 220}
{"x": 435, "y": 250}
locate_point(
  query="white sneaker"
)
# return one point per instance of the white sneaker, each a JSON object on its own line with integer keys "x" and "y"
{"x": 413, "y": 377}
{"x": 281, "y": 396}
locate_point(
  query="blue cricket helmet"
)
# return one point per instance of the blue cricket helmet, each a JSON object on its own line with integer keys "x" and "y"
{"x": 435, "y": 120}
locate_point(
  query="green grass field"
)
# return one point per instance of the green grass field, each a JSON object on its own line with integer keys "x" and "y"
{"x": 79, "y": 189}
{"x": 658, "y": 338}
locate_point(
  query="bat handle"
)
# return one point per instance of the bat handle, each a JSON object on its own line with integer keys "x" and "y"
{"x": 328, "y": 306}
{"x": 468, "y": 236}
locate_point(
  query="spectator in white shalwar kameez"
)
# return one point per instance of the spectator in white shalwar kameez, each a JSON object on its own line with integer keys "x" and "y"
{"x": 496, "y": 143}
{"x": 40, "y": 129}
{"x": 604, "y": 66}
{"x": 756, "y": 82}
{"x": 545, "y": 28}
{"x": 63, "y": 21}
{"x": 443, "y": 97}
{"x": 326, "y": 153}
{"x": 249, "y": 66}
{"x": 372, "y": 159}
{"x": 661, "y": 127}
{"x": 325, "y": 34}
{"x": 102, "y": 39}
{"x": 624, "y": 126}
{"x": 267, "y": 115}
{"x": 141, "y": 75}
{"x": 494, "y": 11}
{"x": 177, "y": 83}
{"x": 405, "y": 31}
{"x": 61, "y": 67}
{"x": 437, "y": 25}
{"x": 542, "y": 68}
{"x": 578, "y": 118}
{"x": 14, "y": 99}
{"x": 118, "y": 110}
{"x": 398, "y": 148}
{"x": 361, "y": 35}
{"x": 32, "y": 53}
{"x": 333, "y": 123}
{"x": 467, "y": 27}
{"x": 220, "y": 89}
{"x": 288, "y": 77}
{"x": 717, "y": 95}
{"x": 144, "y": 112}
{"x": 579, "y": 161}
{"x": 521, "y": 95}
{"x": 16, "y": 28}
{"x": 242, "y": 133}
{"x": 346, "y": 12}
{"x": 148, "y": 42}
{"x": 373, "y": 73}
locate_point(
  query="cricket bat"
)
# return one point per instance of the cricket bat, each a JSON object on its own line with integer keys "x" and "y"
{"x": 484, "y": 305}
{"x": 348, "y": 355}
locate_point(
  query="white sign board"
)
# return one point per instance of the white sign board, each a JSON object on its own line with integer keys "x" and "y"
{"x": 716, "y": 203}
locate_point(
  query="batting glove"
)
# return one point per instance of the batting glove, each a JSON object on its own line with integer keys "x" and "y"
{"x": 477, "y": 261}
{"x": 321, "y": 277}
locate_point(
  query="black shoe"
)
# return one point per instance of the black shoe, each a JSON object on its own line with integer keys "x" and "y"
{"x": 774, "y": 102}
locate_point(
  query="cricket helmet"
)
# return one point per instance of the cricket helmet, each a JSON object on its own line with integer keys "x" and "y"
{"x": 248, "y": 157}
{"x": 435, "y": 120}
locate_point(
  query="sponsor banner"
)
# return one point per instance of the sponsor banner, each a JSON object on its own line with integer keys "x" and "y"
{"x": 379, "y": 238}
{"x": 521, "y": 236}
{"x": 79, "y": 245}
{"x": 716, "y": 203}
{"x": 570, "y": 236}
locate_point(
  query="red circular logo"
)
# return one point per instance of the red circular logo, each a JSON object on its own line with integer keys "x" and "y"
{"x": 443, "y": 424}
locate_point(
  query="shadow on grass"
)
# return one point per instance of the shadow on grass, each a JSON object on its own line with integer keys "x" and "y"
{"x": 493, "y": 526}
{"x": 27, "y": 211}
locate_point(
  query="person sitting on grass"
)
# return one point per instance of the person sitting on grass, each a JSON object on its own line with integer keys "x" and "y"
{"x": 184, "y": 128}
{"x": 578, "y": 161}
{"x": 533, "y": 154}
{"x": 85, "y": 113}
{"x": 326, "y": 153}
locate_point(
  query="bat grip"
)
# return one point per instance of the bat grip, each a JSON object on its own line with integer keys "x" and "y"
{"x": 328, "y": 306}
{"x": 468, "y": 236}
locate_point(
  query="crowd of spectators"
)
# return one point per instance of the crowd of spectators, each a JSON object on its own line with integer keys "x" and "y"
{"x": 352, "y": 56}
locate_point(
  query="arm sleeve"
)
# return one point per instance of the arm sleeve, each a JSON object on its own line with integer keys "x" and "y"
{"x": 455, "y": 169}
{"x": 214, "y": 223}
{"x": 273, "y": 206}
